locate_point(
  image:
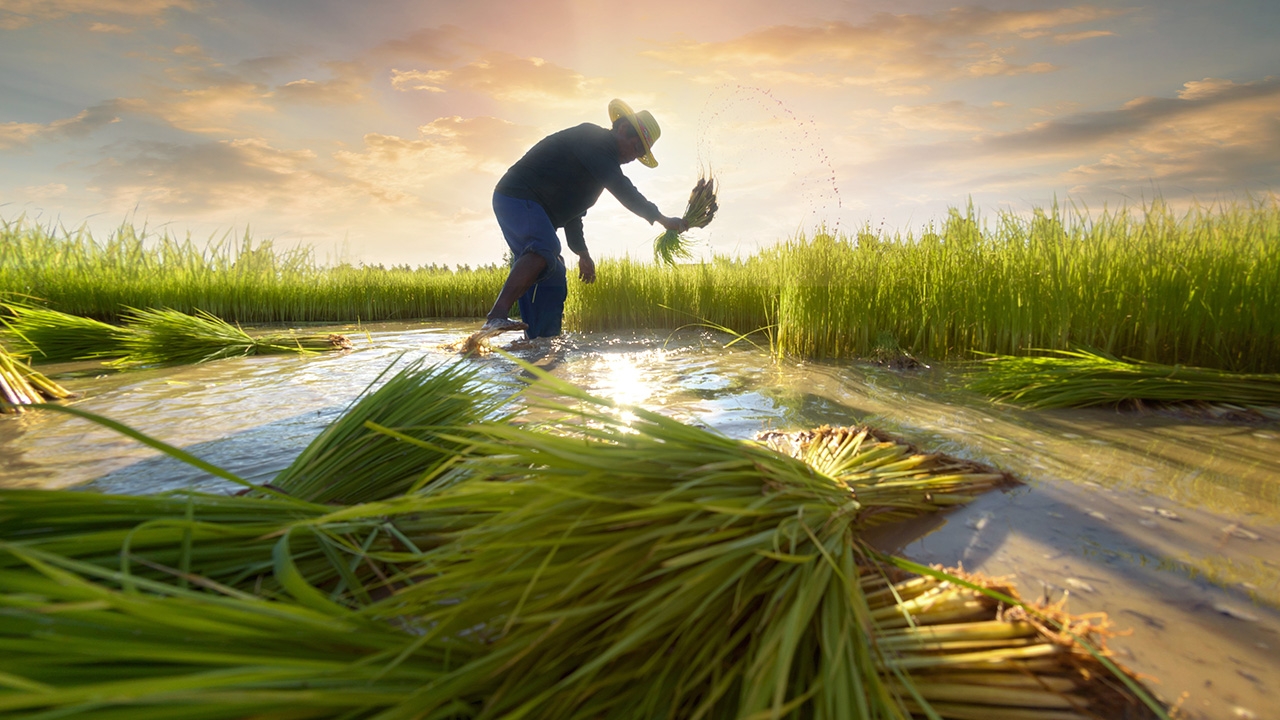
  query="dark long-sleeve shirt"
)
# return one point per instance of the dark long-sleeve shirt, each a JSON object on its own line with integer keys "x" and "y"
{"x": 566, "y": 172}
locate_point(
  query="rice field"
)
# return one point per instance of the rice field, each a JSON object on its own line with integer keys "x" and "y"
{"x": 1200, "y": 288}
{"x": 263, "y": 419}
{"x": 248, "y": 282}
{"x": 525, "y": 512}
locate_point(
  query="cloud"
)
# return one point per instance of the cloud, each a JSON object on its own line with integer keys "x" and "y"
{"x": 1206, "y": 88}
{"x": 892, "y": 50}
{"x": 101, "y": 27}
{"x": 16, "y": 14}
{"x": 346, "y": 86}
{"x": 1198, "y": 100}
{"x": 486, "y": 139}
{"x": 428, "y": 81}
{"x": 212, "y": 109}
{"x": 1216, "y": 136}
{"x": 41, "y": 193}
{"x": 242, "y": 175}
{"x": 1025, "y": 23}
{"x": 1068, "y": 38}
{"x": 20, "y": 135}
{"x": 431, "y": 45}
{"x": 400, "y": 171}
{"x": 502, "y": 76}
{"x": 953, "y": 115}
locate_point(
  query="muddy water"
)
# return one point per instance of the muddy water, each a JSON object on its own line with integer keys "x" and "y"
{"x": 1170, "y": 526}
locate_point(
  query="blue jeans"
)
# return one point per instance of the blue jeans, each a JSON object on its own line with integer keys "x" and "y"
{"x": 527, "y": 229}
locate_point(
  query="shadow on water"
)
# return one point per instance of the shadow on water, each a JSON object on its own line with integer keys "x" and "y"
{"x": 1170, "y": 526}
{"x": 1198, "y": 606}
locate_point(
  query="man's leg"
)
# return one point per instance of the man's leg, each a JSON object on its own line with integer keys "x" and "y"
{"x": 533, "y": 243}
{"x": 523, "y": 274}
{"x": 542, "y": 307}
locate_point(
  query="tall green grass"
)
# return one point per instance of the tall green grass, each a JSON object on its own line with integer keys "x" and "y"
{"x": 1201, "y": 288}
{"x": 1198, "y": 288}
{"x": 246, "y": 282}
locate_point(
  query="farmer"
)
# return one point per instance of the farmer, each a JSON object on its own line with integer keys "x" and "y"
{"x": 553, "y": 186}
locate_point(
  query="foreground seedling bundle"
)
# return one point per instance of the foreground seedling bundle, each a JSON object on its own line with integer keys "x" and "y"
{"x": 148, "y": 337}
{"x": 601, "y": 565}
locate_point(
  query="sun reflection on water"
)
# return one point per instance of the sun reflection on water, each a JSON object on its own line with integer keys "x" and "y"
{"x": 630, "y": 379}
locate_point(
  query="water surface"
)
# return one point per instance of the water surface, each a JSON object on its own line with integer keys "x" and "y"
{"x": 1169, "y": 525}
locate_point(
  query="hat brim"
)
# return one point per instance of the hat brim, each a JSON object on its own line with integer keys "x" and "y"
{"x": 617, "y": 109}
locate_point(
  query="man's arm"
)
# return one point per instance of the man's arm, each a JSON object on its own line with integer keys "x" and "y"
{"x": 577, "y": 242}
{"x": 626, "y": 192}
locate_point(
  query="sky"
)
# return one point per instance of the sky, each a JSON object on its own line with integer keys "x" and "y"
{"x": 374, "y": 132}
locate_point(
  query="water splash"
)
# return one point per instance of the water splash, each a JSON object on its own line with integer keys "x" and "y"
{"x": 745, "y": 133}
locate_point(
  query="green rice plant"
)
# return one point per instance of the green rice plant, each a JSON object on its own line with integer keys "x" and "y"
{"x": 741, "y": 296}
{"x": 1080, "y": 378}
{"x": 271, "y": 547}
{"x": 1148, "y": 284}
{"x": 248, "y": 282}
{"x": 698, "y": 213}
{"x": 169, "y": 337}
{"x": 80, "y": 641}
{"x": 398, "y": 439}
{"x": 50, "y": 336}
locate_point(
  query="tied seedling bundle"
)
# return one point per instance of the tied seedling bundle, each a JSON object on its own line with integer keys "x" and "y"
{"x": 670, "y": 245}
{"x": 1079, "y": 378}
{"x": 169, "y": 337}
{"x": 50, "y": 336}
{"x": 148, "y": 337}
{"x": 20, "y": 385}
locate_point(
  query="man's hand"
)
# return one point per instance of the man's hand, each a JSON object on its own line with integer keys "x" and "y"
{"x": 586, "y": 269}
{"x": 676, "y": 225}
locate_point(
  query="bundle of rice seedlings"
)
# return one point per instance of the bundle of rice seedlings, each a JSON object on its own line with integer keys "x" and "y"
{"x": 80, "y": 641}
{"x": 397, "y": 439}
{"x": 699, "y": 212}
{"x": 169, "y": 337}
{"x": 1081, "y": 378}
{"x": 20, "y": 385}
{"x": 974, "y": 651}
{"x": 891, "y": 476}
{"x": 50, "y": 336}
{"x": 633, "y": 566}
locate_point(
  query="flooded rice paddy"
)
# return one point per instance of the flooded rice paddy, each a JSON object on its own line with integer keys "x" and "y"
{"x": 1169, "y": 525}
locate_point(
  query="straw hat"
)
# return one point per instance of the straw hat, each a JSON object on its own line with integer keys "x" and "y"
{"x": 644, "y": 124}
